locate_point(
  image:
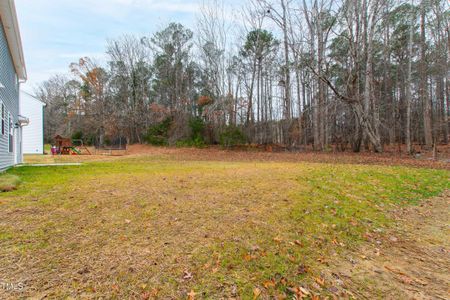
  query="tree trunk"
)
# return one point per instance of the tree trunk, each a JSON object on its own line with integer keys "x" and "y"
{"x": 287, "y": 75}
{"x": 367, "y": 127}
{"x": 428, "y": 136}
{"x": 368, "y": 87}
{"x": 321, "y": 87}
{"x": 408, "y": 88}
{"x": 250, "y": 116}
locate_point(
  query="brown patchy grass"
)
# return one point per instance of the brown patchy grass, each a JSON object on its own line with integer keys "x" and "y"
{"x": 391, "y": 156}
{"x": 164, "y": 224}
{"x": 409, "y": 261}
{"x": 8, "y": 183}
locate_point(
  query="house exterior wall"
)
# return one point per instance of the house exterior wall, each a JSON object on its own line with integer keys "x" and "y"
{"x": 33, "y": 133}
{"x": 9, "y": 96}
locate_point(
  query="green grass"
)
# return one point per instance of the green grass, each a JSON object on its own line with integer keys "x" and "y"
{"x": 8, "y": 182}
{"x": 137, "y": 224}
{"x": 47, "y": 148}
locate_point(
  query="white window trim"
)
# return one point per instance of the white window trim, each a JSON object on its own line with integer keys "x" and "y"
{"x": 2, "y": 118}
{"x": 10, "y": 133}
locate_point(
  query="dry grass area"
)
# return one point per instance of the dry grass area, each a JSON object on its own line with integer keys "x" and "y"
{"x": 408, "y": 261}
{"x": 391, "y": 156}
{"x": 199, "y": 224}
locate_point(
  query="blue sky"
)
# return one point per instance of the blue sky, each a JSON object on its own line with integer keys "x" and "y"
{"x": 58, "y": 32}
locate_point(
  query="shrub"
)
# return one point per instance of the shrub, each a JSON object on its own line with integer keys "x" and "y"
{"x": 197, "y": 143}
{"x": 8, "y": 182}
{"x": 77, "y": 135}
{"x": 231, "y": 136}
{"x": 197, "y": 126}
{"x": 158, "y": 134}
{"x": 90, "y": 139}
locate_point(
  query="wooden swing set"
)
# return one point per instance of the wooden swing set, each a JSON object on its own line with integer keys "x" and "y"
{"x": 67, "y": 146}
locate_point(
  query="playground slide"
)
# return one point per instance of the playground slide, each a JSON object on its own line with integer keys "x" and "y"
{"x": 75, "y": 150}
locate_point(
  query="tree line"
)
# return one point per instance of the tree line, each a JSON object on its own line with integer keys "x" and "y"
{"x": 350, "y": 73}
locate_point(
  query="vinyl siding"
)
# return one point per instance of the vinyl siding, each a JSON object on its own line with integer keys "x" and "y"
{"x": 33, "y": 133}
{"x": 9, "y": 95}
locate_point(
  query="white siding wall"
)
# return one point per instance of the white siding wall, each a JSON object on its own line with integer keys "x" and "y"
{"x": 33, "y": 134}
{"x": 9, "y": 95}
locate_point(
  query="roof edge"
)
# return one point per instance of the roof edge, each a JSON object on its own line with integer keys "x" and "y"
{"x": 32, "y": 96}
{"x": 12, "y": 32}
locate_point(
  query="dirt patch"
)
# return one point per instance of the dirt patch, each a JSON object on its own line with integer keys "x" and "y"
{"x": 218, "y": 154}
{"x": 8, "y": 183}
{"x": 410, "y": 262}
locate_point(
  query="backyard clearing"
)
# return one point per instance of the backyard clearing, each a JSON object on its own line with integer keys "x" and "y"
{"x": 210, "y": 224}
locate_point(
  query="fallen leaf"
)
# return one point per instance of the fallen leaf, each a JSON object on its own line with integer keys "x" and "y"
{"x": 191, "y": 295}
{"x": 298, "y": 294}
{"x": 145, "y": 296}
{"x": 291, "y": 258}
{"x": 154, "y": 292}
{"x": 115, "y": 287}
{"x": 320, "y": 281}
{"x": 269, "y": 283}
{"x": 187, "y": 275}
{"x": 334, "y": 290}
{"x": 248, "y": 257}
{"x": 283, "y": 281}
{"x": 393, "y": 270}
{"x": 256, "y": 293}
{"x": 304, "y": 291}
{"x": 255, "y": 248}
{"x": 406, "y": 280}
{"x": 302, "y": 269}
{"x": 404, "y": 277}
{"x": 322, "y": 260}
{"x": 234, "y": 290}
{"x": 281, "y": 296}
{"x": 277, "y": 239}
{"x": 393, "y": 239}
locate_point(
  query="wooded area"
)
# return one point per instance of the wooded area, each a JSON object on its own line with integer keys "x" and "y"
{"x": 354, "y": 74}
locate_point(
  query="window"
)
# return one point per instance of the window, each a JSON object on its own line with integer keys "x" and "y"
{"x": 11, "y": 133}
{"x": 3, "y": 118}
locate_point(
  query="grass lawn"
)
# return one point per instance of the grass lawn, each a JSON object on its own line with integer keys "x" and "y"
{"x": 150, "y": 226}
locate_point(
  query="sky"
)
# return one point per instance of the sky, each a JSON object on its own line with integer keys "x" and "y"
{"x": 56, "y": 33}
